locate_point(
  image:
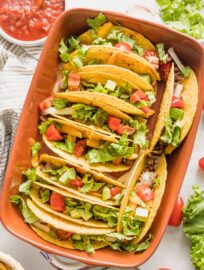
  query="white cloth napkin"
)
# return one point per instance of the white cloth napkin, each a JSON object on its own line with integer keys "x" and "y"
{"x": 17, "y": 65}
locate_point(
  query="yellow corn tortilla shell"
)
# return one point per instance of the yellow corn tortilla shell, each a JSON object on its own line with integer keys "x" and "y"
{"x": 158, "y": 194}
{"x": 91, "y": 132}
{"x": 117, "y": 57}
{"x": 140, "y": 39}
{"x": 89, "y": 197}
{"x": 102, "y": 73}
{"x": 64, "y": 243}
{"x": 164, "y": 109}
{"x": 190, "y": 99}
{"x": 90, "y": 223}
{"x": 133, "y": 178}
{"x": 62, "y": 224}
{"x": 70, "y": 194}
{"x": 108, "y": 167}
{"x": 97, "y": 98}
{"x": 59, "y": 162}
{"x": 80, "y": 98}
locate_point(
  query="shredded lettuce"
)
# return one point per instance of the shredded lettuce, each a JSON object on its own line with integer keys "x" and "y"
{"x": 186, "y": 71}
{"x": 45, "y": 195}
{"x": 110, "y": 216}
{"x": 167, "y": 135}
{"x": 66, "y": 146}
{"x": 35, "y": 149}
{"x": 139, "y": 138}
{"x": 29, "y": 217}
{"x": 69, "y": 174}
{"x": 90, "y": 185}
{"x": 97, "y": 21}
{"x": 44, "y": 126}
{"x": 25, "y": 187}
{"x": 184, "y": 15}
{"x": 111, "y": 152}
{"x": 87, "y": 113}
{"x": 84, "y": 244}
{"x": 60, "y": 103}
{"x": 131, "y": 226}
{"x": 163, "y": 56}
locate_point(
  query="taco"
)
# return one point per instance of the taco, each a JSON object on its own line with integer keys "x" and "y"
{"x": 74, "y": 208}
{"x": 177, "y": 111}
{"x": 104, "y": 33}
{"x": 136, "y": 103}
{"x": 99, "y": 155}
{"x": 80, "y": 181}
{"x": 125, "y": 79}
{"x": 143, "y": 196}
{"x": 65, "y": 233}
{"x": 113, "y": 56}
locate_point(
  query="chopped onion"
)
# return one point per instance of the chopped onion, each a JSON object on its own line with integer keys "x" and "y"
{"x": 52, "y": 110}
{"x": 175, "y": 58}
{"x": 42, "y": 227}
{"x": 178, "y": 90}
{"x": 148, "y": 177}
{"x": 110, "y": 85}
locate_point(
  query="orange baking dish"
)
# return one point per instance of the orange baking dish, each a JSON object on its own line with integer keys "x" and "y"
{"x": 74, "y": 22}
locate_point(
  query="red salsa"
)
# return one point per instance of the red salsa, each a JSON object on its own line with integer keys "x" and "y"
{"x": 29, "y": 19}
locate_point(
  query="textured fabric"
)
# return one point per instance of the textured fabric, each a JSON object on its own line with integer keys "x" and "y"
{"x": 17, "y": 65}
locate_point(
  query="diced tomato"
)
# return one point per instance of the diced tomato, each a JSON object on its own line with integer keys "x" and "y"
{"x": 114, "y": 191}
{"x": 63, "y": 234}
{"x": 137, "y": 96}
{"x": 177, "y": 214}
{"x": 80, "y": 148}
{"x": 125, "y": 128}
{"x": 113, "y": 123}
{"x": 152, "y": 57}
{"x": 117, "y": 161}
{"x": 145, "y": 109}
{"x": 74, "y": 81}
{"x": 53, "y": 134}
{"x": 164, "y": 71}
{"x": 57, "y": 202}
{"x": 201, "y": 163}
{"x": 77, "y": 183}
{"x": 126, "y": 241}
{"x": 123, "y": 46}
{"x": 46, "y": 103}
{"x": 177, "y": 103}
{"x": 144, "y": 192}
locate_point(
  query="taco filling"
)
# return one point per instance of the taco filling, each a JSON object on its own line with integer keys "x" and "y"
{"x": 84, "y": 183}
{"x": 136, "y": 97}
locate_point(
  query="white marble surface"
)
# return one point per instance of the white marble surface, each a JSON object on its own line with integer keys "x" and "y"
{"x": 174, "y": 248}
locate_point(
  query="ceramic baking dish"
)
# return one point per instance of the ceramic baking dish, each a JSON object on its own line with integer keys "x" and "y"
{"x": 74, "y": 22}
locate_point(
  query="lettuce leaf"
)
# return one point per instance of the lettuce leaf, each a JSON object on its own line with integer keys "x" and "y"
{"x": 131, "y": 226}
{"x": 105, "y": 214}
{"x": 167, "y": 135}
{"x": 84, "y": 244}
{"x": 193, "y": 225}
{"x": 97, "y": 21}
{"x": 35, "y": 149}
{"x": 29, "y": 217}
{"x": 184, "y": 16}
{"x": 45, "y": 195}
{"x": 59, "y": 103}
{"x": 66, "y": 146}
{"x": 163, "y": 56}
{"x": 87, "y": 113}
{"x": 111, "y": 152}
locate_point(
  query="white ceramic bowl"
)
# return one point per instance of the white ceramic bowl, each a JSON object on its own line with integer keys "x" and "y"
{"x": 10, "y": 261}
{"x": 23, "y": 42}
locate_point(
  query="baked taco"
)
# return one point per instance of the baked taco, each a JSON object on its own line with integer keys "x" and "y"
{"x": 143, "y": 197}
{"x": 66, "y": 234}
{"x": 139, "y": 98}
{"x": 78, "y": 148}
{"x": 113, "y": 56}
{"x": 124, "y": 79}
{"x": 177, "y": 109}
{"x": 80, "y": 181}
{"x": 103, "y": 33}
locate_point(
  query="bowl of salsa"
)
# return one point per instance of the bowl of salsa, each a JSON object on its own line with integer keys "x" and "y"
{"x": 28, "y": 22}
